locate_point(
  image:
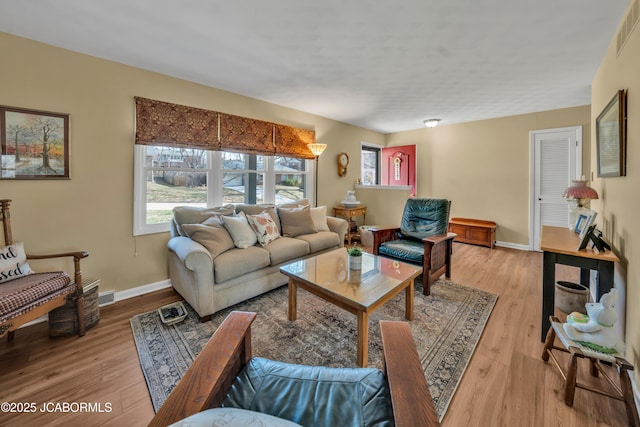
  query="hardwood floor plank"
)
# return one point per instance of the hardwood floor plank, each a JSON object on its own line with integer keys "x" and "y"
{"x": 506, "y": 382}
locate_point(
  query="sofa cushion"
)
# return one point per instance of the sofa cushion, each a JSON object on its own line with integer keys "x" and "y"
{"x": 319, "y": 217}
{"x": 13, "y": 262}
{"x": 232, "y": 417}
{"x": 287, "y": 248}
{"x": 313, "y": 395}
{"x": 297, "y": 203}
{"x": 321, "y": 240}
{"x": 240, "y": 230}
{"x": 211, "y": 234}
{"x": 236, "y": 262}
{"x": 193, "y": 215}
{"x": 265, "y": 228}
{"x": 296, "y": 221}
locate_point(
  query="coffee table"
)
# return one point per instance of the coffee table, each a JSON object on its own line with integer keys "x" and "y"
{"x": 357, "y": 291}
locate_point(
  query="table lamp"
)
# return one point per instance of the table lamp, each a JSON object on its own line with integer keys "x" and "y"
{"x": 579, "y": 193}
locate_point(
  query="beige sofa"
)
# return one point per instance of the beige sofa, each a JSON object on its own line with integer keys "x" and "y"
{"x": 210, "y": 267}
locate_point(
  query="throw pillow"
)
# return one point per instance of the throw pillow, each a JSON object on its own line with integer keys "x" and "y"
{"x": 240, "y": 230}
{"x": 265, "y": 228}
{"x": 296, "y": 221}
{"x": 319, "y": 217}
{"x": 13, "y": 262}
{"x": 212, "y": 235}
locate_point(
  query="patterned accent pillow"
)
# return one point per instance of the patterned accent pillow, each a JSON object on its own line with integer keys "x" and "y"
{"x": 13, "y": 263}
{"x": 264, "y": 226}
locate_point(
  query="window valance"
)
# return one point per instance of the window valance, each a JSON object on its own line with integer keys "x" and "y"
{"x": 163, "y": 123}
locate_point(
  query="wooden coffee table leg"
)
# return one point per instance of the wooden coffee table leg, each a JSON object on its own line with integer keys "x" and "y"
{"x": 363, "y": 339}
{"x": 409, "y": 302}
{"x": 293, "y": 300}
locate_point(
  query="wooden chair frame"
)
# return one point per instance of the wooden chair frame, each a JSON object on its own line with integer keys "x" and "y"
{"x": 623, "y": 391}
{"x": 437, "y": 253}
{"x": 8, "y": 327}
{"x": 207, "y": 381}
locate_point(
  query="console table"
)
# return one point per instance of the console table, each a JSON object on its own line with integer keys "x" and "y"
{"x": 348, "y": 213}
{"x": 559, "y": 246}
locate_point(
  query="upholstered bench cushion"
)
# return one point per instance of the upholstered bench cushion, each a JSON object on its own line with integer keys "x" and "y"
{"x": 313, "y": 395}
{"x": 232, "y": 417}
{"x": 21, "y": 295}
{"x": 404, "y": 249}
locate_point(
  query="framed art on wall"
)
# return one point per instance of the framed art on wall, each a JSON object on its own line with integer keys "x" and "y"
{"x": 611, "y": 137}
{"x": 35, "y": 144}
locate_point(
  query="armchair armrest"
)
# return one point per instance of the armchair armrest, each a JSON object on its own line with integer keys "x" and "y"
{"x": 383, "y": 234}
{"x": 410, "y": 396}
{"x": 440, "y": 238}
{"x": 206, "y": 382}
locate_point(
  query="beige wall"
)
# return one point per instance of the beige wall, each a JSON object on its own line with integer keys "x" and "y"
{"x": 483, "y": 166}
{"x": 94, "y": 209}
{"x": 619, "y": 202}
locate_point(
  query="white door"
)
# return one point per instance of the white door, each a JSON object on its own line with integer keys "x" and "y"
{"x": 556, "y": 160}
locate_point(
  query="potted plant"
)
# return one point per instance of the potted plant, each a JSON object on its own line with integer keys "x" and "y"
{"x": 355, "y": 257}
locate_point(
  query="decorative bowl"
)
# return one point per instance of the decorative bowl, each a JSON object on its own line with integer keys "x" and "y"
{"x": 348, "y": 204}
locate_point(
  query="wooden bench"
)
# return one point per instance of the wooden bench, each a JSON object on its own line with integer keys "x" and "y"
{"x": 474, "y": 231}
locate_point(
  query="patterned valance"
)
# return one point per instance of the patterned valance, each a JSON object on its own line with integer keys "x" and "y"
{"x": 245, "y": 135}
{"x": 163, "y": 123}
{"x": 292, "y": 142}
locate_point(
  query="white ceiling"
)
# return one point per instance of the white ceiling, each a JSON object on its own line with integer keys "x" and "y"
{"x": 384, "y": 65}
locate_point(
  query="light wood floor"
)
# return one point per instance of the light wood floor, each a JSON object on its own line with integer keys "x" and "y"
{"x": 506, "y": 382}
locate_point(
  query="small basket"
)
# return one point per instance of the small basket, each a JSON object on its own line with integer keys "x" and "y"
{"x": 170, "y": 319}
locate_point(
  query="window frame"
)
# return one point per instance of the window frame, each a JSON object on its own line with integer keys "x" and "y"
{"x": 368, "y": 146}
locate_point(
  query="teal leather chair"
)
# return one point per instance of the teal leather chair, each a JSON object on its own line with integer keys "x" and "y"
{"x": 421, "y": 239}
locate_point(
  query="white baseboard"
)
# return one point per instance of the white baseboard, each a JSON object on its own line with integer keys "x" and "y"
{"x": 141, "y": 290}
{"x": 512, "y": 246}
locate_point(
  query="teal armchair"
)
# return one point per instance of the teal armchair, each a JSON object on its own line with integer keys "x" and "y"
{"x": 421, "y": 239}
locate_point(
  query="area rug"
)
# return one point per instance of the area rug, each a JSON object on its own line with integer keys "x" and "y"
{"x": 447, "y": 326}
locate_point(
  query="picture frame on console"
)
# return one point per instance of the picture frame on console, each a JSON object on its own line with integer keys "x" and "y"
{"x": 611, "y": 137}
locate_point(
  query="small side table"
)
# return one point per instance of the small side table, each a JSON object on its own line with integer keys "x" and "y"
{"x": 348, "y": 213}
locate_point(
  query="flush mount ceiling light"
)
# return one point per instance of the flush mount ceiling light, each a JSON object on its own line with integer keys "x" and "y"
{"x": 431, "y": 123}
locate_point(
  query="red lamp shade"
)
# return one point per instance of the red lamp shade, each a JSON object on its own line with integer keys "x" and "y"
{"x": 581, "y": 192}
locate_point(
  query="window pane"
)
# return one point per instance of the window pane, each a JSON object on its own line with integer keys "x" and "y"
{"x": 245, "y": 187}
{"x": 289, "y": 164}
{"x": 166, "y": 189}
{"x": 171, "y": 157}
{"x": 290, "y": 187}
{"x": 369, "y": 172}
{"x": 239, "y": 161}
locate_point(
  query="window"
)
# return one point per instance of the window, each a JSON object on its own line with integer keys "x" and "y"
{"x": 171, "y": 176}
{"x": 370, "y": 161}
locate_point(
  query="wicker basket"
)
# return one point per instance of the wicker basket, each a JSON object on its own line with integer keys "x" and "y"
{"x": 63, "y": 320}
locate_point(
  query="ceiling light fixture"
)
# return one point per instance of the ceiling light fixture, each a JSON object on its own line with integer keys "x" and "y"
{"x": 431, "y": 123}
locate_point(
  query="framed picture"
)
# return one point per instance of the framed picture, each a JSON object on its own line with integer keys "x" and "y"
{"x": 587, "y": 236}
{"x": 611, "y": 137}
{"x": 580, "y": 223}
{"x": 35, "y": 144}
{"x": 589, "y": 220}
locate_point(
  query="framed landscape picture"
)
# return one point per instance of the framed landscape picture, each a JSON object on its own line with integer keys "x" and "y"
{"x": 35, "y": 144}
{"x": 611, "y": 137}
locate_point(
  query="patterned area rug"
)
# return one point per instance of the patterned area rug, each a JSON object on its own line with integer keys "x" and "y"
{"x": 446, "y": 328}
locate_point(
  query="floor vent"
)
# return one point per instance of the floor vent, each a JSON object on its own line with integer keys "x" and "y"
{"x": 628, "y": 25}
{"x": 106, "y": 298}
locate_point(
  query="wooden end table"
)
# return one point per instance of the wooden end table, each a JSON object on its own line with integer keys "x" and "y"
{"x": 348, "y": 213}
{"x": 357, "y": 291}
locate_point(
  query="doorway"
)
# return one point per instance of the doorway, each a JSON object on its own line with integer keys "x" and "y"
{"x": 556, "y": 160}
